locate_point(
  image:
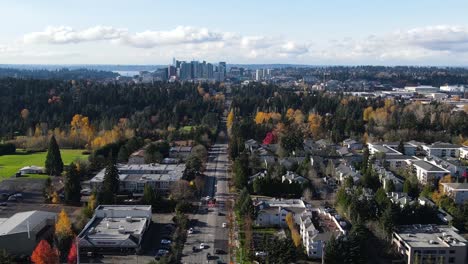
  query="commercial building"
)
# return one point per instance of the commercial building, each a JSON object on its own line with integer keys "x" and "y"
{"x": 134, "y": 177}
{"x": 20, "y": 233}
{"x": 115, "y": 228}
{"x": 457, "y": 191}
{"x": 430, "y": 244}
{"x": 422, "y": 89}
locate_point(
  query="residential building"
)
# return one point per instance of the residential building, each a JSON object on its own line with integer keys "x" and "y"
{"x": 251, "y": 145}
{"x": 457, "y": 191}
{"x": 352, "y": 144}
{"x": 400, "y": 198}
{"x": 463, "y": 153}
{"x": 427, "y": 172}
{"x": 375, "y": 148}
{"x": 134, "y": 177}
{"x": 395, "y": 162}
{"x": 258, "y": 175}
{"x": 386, "y": 176}
{"x": 137, "y": 157}
{"x": 441, "y": 149}
{"x": 430, "y": 244}
{"x": 453, "y": 165}
{"x": 20, "y": 233}
{"x": 272, "y": 211}
{"x": 180, "y": 152}
{"x": 344, "y": 170}
{"x": 115, "y": 228}
{"x": 293, "y": 177}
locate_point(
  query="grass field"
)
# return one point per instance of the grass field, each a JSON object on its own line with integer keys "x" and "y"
{"x": 10, "y": 164}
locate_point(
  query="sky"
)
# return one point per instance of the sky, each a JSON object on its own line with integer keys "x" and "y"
{"x": 316, "y": 32}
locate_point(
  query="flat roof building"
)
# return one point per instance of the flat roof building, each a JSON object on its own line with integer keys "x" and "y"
{"x": 115, "y": 228}
{"x": 430, "y": 244}
{"x": 134, "y": 177}
{"x": 457, "y": 191}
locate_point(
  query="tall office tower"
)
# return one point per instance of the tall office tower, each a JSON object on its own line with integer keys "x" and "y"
{"x": 171, "y": 71}
{"x": 195, "y": 66}
{"x": 209, "y": 69}
{"x": 185, "y": 71}
{"x": 259, "y": 75}
{"x": 223, "y": 64}
{"x": 241, "y": 71}
{"x": 174, "y": 63}
{"x": 177, "y": 64}
{"x": 204, "y": 68}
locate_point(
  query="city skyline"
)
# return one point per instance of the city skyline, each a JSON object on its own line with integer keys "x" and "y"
{"x": 152, "y": 32}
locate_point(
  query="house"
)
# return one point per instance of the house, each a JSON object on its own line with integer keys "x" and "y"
{"x": 386, "y": 176}
{"x": 293, "y": 177}
{"x": 457, "y": 191}
{"x": 134, "y": 177}
{"x": 265, "y": 156}
{"x": 31, "y": 170}
{"x": 430, "y": 243}
{"x": 352, "y": 144}
{"x": 289, "y": 162}
{"x": 400, "y": 198}
{"x": 137, "y": 157}
{"x": 427, "y": 172}
{"x": 258, "y": 175}
{"x": 272, "y": 211}
{"x": 310, "y": 146}
{"x": 441, "y": 149}
{"x": 343, "y": 151}
{"x": 115, "y": 228}
{"x": 251, "y": 145}
{"x": 20, "y": 233}
{"x": 343, "y": 170}
{"x": 180, "y": 152}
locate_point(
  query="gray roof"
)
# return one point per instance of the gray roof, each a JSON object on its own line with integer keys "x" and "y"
{"x": 457, "y": 185}
{"x": 443, "y": 145}
{"x": 428, "y": 166}
{"x": 19, "y": 222}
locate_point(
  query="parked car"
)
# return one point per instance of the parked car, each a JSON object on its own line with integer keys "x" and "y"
{"x": 12, "y": 198}
{"x": 260, "y": 254}
{"x": 3, "y": 204}
{"x": 208, "y": 256}
{"x": 190, "y": 231}
{"x": 219, "y": 251}
{"x": 165, "y": 242}
{"x": 202, "y": 246}
{"x": 224, "y": 225}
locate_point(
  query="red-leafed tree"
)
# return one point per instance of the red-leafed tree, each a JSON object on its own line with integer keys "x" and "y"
{"x": 269, "y": 139}
{"x": 45, "y": 254}
{"x": 72, "y": 254}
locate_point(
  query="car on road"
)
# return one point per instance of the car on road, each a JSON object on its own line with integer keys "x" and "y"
{"x": 221, "y": 214}
{"x": 165, "y": 242}
{"x": 190, "y": 231}
{"x": 161, "y": 253}
{"x": 224, "y": 225}
{"x": 219, "y": 251}
{"x": 12, "y": 198}
{"x": 202, "y": 246}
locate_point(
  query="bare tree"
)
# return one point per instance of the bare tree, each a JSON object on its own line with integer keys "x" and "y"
{"x": 181, "y": 190}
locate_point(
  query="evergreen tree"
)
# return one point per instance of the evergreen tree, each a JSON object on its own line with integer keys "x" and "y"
{"x": 123, "y": 154}
{"x": 53, "y": 163}
{"x": 110, "y": 184}
{"x": 401, "y": 147}
{"x": 150, "y": 196}
{"x": 72, "y": 187}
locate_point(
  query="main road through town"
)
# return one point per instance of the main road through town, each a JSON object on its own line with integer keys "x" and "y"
{"x": 208, "y": 221}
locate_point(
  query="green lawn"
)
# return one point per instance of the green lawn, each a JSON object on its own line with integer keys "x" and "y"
{"x": 10, "y": 164}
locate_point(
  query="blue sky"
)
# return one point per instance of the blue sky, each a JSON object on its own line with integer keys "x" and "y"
{"x": 417, "y": 32}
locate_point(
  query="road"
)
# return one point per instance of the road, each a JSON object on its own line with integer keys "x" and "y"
{"x": 208, "y": 227}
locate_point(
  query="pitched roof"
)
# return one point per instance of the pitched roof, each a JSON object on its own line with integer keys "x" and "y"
{"x": 19, "y": 222}
{"x": 428, "y": 166}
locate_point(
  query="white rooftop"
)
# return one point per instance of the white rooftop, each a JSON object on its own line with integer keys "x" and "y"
{"x": 146, "y": 172}
{"x": 430, "y": 236}
{"x": 18, "y": 223}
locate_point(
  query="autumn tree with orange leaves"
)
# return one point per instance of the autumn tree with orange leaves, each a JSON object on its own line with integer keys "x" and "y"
{"x": 45, "y": 254}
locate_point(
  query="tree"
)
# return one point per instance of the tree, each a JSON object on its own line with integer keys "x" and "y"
{"x": 149, "y": 195}
{"x": 63, "y": 225}
{"x": 401, "y": 147}
{"x": 47, "y": 190}
{"x": 181, "y": 191}
{"x": 296, "y": 237}
{"x": 110, "y": 184}
{"x": 5, "y": 258}
{"x": 72, "y": 254}
{"x": 123, "y": 154}
{"x": 53, "y": 163}
{"x": 193, "y": 166}
{"x": 230, "y": 119}
{"x": 291, "y": 139}
{"x": 72, "y": 186}
{"x": 45, "y": 254}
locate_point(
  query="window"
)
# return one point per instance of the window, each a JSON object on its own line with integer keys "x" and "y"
{"x": 452, "y": 251}
{"x": 441, "y": 251}
{"x": 451, "y": 260}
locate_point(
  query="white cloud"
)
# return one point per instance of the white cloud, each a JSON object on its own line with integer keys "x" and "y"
{"x": 66, "y": 35}
{"x": 417, "y": 45}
